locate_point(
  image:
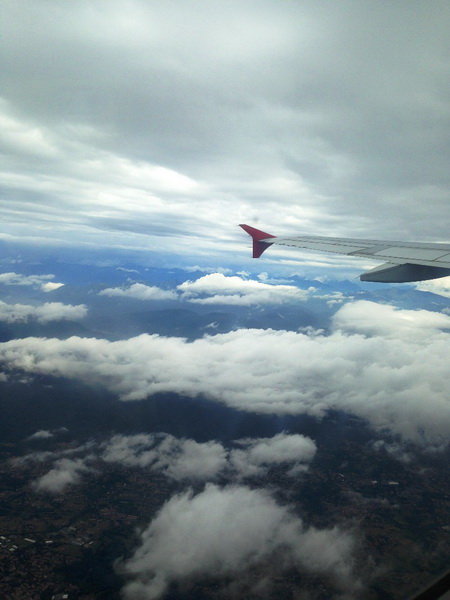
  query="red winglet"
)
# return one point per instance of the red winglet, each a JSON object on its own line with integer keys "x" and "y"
{"x": 257, "y": 236}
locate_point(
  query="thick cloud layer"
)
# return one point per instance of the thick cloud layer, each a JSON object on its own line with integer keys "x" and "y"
{"x": 386, "y": 365}
{"x": 163, "y": 124}
{"x": 226, "y": 532}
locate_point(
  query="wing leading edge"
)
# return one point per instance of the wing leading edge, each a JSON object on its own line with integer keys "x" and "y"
{"x": 405, "y": 261}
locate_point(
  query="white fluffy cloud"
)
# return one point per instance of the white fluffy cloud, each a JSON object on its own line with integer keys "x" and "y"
{"x": 139, "y": 291}
{"x": 40, "y": 281}
{"x": 226, "y": 532}
{"x": 42, "y": 434}
{"x": 66, "y": 471}
{"x": 372, "y": 365}
{"x": 217, "y": 288}
{"x": 436, "y": 286}
{"x": 51, "y": 286}
{"x": 372, "y": 319}
{"x": 203, "y": 269}
{"x": 282, "y": 448}
{"x": 187, "y": 459}
{"x": 193, "y": 460}
{"x": 177, "y": 458}
{"x": 50, "y": 311}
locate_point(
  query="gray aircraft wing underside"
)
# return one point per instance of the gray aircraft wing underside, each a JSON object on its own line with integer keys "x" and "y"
{"x": 404, "y": 261}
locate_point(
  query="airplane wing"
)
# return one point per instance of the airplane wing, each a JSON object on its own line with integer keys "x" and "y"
{"x": 405, "y": 261}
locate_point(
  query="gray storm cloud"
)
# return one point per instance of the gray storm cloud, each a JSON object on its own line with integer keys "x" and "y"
{"x": 226, "y": 532}
{"x": 390, "y": 367}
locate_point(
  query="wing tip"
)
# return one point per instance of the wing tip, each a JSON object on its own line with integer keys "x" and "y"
{"x": 257, "y": 235}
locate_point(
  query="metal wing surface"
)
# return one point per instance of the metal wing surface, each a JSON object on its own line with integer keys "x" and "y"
{"x": 405, "y": 261}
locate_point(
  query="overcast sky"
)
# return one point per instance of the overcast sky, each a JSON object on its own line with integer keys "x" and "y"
{"x": 162, "y": 125}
